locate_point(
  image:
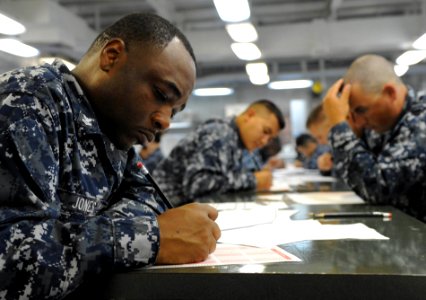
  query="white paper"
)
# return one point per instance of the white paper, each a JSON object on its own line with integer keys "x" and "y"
{"x": 247, "y": 214}
{"x": 294, "y": 231}
{"x": 325, "y": 198}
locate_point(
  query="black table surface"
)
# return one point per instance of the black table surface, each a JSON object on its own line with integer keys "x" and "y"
{"x": 336, "y": 269}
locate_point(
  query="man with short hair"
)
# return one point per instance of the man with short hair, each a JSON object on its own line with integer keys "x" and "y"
{"x": 371, "y": 97}
{"x": 72, "y": 200}
{"x": 310, "y": 150}
{"x": 319, "y": 127}
{"x": 210, "y": 159}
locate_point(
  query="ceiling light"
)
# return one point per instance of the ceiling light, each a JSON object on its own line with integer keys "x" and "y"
{"x": 218, "y": 91}
{"x": 9, "y": 26}
{"x": 411, "y": 57}
{"x": 259, "y": 79}
{"x": 420, "y": 43}
{"x": 242, "y": 33}
{"x": 246, "y": 51}
{"x": 17, "y": 48}
{"x": 400, "y": 70}
{"x": 290, "y": 84}
{"x": 254, "y": 69}
{"x": 232, "y": 10}
{"x": 49, "y": 60}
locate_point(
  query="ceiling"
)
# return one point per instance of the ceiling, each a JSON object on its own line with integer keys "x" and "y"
{"x": 295, "y": 36}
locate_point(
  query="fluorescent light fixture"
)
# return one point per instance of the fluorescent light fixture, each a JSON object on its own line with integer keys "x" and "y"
{"x": 258, "y": 73}
{"x": 180, "y": 125}
{"x": 9, "y": 26}
{"x": 400, "y": 70}
{"x": 420, "y": 43}
{"x": 259, "y": 79}
{"x": 242, "y": 32}
{"x": 17, "y": 48}
{"x": 290, "y": 84}
{"x": 246, "y": 51}
{"x": 218, "y": 91}
{"x": 232, "y": 10}
{"x": 50, "y": 60}
{"x": 254, "y": 69}
{"x": 411, "y": 57}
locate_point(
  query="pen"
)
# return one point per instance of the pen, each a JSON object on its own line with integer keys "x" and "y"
{"x": 256, "y": 163}
{"x": 371, "y": 214}
{"x": 145, "y": 172}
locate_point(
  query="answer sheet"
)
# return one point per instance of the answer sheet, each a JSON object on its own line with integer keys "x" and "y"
{"x": 238, "y": 254}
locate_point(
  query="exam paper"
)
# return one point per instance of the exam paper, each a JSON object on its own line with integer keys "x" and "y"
{"x": 325, "y": 198}
{"x": 239, "y": 254}
{"x": 271, "y": 197}
{"x": 284, "y": 179}
{"x": 284, "y": 232}
{"x": 247, "y": 214}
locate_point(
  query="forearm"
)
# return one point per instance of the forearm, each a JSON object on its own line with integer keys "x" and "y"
{"x": 378, "y": 178}
{"x": 207, "y": 182}
{"x": 49, "y": 259}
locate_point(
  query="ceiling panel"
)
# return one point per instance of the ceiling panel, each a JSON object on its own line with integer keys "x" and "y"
{"x": 308, "y": 34}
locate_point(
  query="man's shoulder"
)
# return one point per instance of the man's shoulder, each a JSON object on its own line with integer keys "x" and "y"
{"x": 215, "y": 124}
{"x": 215, "y": 127}
{"x": 27, "y": 80}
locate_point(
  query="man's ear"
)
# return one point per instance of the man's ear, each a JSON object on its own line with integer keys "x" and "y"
{"x": 250, "y": 112}
{"x": 112, "y": 53}
{"x": 389, "y": 90}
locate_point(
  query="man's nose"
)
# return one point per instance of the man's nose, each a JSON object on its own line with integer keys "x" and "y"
{"x": 160, "y": 121}
{"x": 265, "y": 139}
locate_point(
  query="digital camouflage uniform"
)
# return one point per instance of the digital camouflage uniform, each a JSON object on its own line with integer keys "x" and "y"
{"x": 209, "y": 160}
{"x": 70, "y": 203}
{"x": 311, "y": 162}
{"x": 393, "y": 172}
{"x": 252, "y": 160}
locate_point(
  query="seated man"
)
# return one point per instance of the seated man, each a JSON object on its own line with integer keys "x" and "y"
{"x": 308, "y": 147}
{"x": 210, "y": 159}
{"x": 319, "y": 128}
{"x": 72, "y": 204}
{"x": 374, "y": 98}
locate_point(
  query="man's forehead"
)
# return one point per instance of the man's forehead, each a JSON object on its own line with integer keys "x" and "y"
{"x": 273, "y": 123}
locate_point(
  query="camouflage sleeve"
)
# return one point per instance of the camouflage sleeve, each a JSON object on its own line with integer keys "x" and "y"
{"x": 380, "y": 178}
{"x": 44, "y": 254}
{"x": 212, "y": 170}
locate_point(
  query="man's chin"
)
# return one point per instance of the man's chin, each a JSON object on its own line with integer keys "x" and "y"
{"x": 123, "y": 144}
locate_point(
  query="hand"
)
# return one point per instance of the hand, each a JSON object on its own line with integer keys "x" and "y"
{"x": 263, "y": 179}
{"x": 337, "y": 108}
{"x": 275, "y": 163}
{"x": 188, "y": 234}
{"x": 325, "y": 162}
{"x": 298, "y": 164}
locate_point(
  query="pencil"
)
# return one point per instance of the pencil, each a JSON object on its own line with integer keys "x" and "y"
{"x": 371, "y": 214}
{"x": 145, "y": 172}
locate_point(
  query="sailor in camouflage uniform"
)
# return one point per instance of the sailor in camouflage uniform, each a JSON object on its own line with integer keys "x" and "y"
{"x": 374, "y": 99}
{"x": 210, "y": 159}
{"x": 72, "y": 202}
